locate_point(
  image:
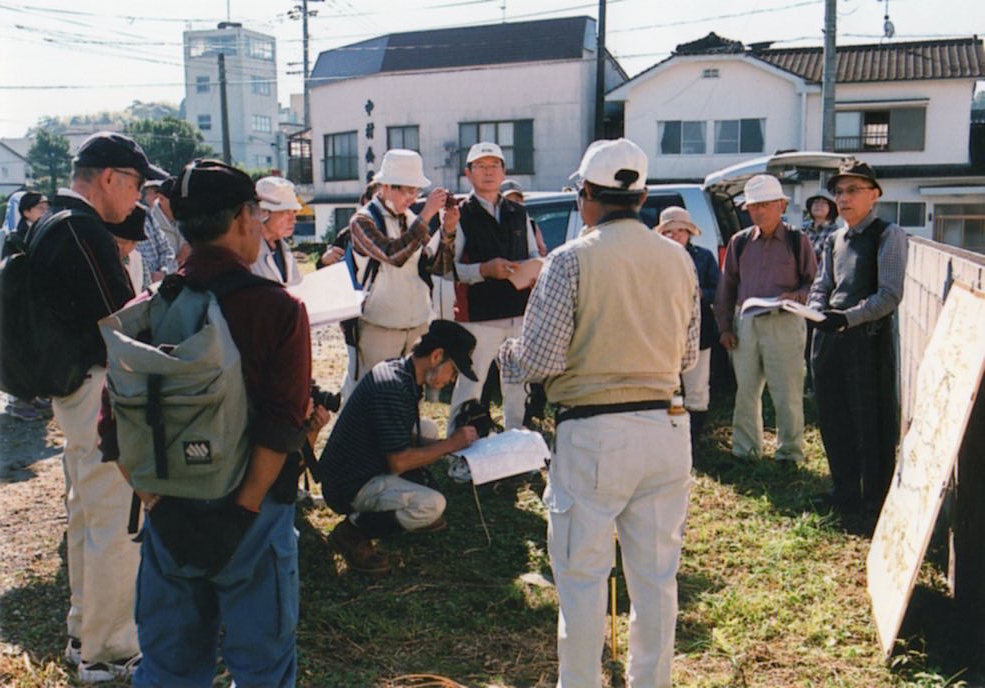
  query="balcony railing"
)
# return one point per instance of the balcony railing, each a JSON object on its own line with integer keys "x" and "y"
{"x": 857, "y": 144}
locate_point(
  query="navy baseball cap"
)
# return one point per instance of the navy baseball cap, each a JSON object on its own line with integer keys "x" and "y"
{"x": 109, "y": 149}
{"x": 132, "y": 227}
{"x": 208, "y": 186}
{"x": 457, "y": 342}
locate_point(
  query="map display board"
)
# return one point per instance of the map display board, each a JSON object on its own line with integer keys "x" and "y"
{"x": 947, "y": 384}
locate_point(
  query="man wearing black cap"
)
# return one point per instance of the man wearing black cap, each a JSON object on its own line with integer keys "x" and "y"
{"x": 79, "y": 265}
{"x": 859, "y": 288}
{"x": 622, "y": 455}
{"x": 253, "y": 594}
{"x": 127, "y": 235}
{"x": 373, "y": 444}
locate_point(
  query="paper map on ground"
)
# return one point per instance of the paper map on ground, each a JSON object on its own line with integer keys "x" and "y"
{"x": 328, "y": 295}
{"x": 504, "y": 454}
{"x": 759, "y": 305}
{"x": 947, "y": 384}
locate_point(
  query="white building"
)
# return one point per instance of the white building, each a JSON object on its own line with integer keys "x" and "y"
{"x": 251, "y": 91}
{"x": 905, "y": 108}
{"x": 528, "y": 86}
{"x": 14, "y": 170}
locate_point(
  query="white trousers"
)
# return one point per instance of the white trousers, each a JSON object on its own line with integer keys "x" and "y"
{"x": 414, "y": 505}
{"x": 630, "y": 471}
{"x": 489, "y": 336}
{"x": 102, "y": 558}
{"x": 697, "y": 382}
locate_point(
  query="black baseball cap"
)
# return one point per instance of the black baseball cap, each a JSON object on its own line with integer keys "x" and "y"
{"x": 208, "y": 186}
{"x": 30, "y": 199}
{"x": 109, "y": 149}
{"x": 850, "y": 167}
{"x": 132, "y": 227}
{"x": 457, "y": 342}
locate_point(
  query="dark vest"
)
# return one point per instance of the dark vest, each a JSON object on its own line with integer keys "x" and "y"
{"x": 486, "y": 239}
{"x": 855, "y": 265}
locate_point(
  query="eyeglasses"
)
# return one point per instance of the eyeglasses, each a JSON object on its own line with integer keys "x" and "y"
{"x": 132, "y": 175}
{"x": 487, "y": 167}
{"x": 850, "y": 190}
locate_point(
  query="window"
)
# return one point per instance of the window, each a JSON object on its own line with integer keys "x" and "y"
{"x": 204, "y": 122}
{"x": 516, "y": 138}
{"x": 261, "y": 123}
{"x": 263, "y": 161}
{"x": 960, "y": 224}
{"x": 261, "y": 48}
{"x": 739, "y": 135}
{"x": 260, "y": 86}
{"x": 341, "y": 161}
{"x": 681, "y": 138}
{"x": 403, "y": 137}
{"x": 895, "y": 129}
{"x": 905, "y": 214}
{"x": 341, "y": 217}
{"x": 201, "y": 84}
{"x": 213, "y": 45}
{"x": 709, "y": 73}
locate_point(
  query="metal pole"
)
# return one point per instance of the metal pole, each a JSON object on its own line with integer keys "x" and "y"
{"x": 830, "y": 74}
{"x": 224, "y": 110}
{"x": 304, "y": 76}
{"x": 600, "y": 75}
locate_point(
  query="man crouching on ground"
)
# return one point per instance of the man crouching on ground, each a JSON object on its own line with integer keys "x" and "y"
{"x": 252, "y": 595}
{"x": 378, "y": 439}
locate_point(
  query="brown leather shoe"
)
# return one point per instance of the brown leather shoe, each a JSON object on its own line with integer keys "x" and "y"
{"x": 434, "y": 527}
{"x": 357, "y": 550}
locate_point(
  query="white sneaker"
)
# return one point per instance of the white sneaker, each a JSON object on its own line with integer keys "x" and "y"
{"x": 99, "y": 672}
{"x": 73, "y": 651}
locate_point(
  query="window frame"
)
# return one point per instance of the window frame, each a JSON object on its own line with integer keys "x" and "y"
{"x": 680, "y": 124}
{"x": 203, "y": 84}
{"x": 265, "y": 122}
{"x": 403, "y": 130}
{"x": 519, "y": 158}
{"x": 879, "y": 130}
{"x": 260, "y": 86}
{"x": 350, "y": 160}
{"x": 207, "y": 119}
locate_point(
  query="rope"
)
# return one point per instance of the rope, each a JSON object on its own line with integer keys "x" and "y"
{"x": 482, "y": 520}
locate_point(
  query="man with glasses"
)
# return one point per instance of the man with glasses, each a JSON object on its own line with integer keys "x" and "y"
{"x": 80, "y": 268}
{"x": 279, "y": 203}
{"x": 379, "y": 440}
{"x": 770, "y": 259}
{"x": 859, "y": 288}
{"x": 388, "y": 241}
{"x": 492, "y": 237}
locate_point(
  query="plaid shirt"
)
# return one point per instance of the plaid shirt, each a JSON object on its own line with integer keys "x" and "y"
{"x": 155, "y": 250}
{"x": 549, "y": 324}
{"x": 818, "y": 236}
{"x": 372, "y": 241}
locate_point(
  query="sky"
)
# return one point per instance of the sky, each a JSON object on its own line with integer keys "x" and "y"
{"x": 85, "y": 56}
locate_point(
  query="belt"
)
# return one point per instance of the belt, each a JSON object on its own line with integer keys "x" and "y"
{"x": 590, "y": 410}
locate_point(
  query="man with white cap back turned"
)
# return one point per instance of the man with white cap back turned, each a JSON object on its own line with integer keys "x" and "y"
{"x": 279, "y": 206}
{"x": 769, "y": 259}
{"x": 621, "y": 457}
{"x": 388, "y": 241}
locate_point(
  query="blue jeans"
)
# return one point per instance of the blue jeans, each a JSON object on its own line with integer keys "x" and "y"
{"x": 254, "y": 598}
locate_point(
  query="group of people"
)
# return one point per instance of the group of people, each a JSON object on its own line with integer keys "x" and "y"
{"x": 611, "y": 368}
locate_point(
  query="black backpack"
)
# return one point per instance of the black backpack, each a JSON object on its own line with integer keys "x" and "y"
{"x": 36, "y": 355}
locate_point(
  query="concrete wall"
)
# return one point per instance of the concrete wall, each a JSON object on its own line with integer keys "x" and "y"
{"x": 553, "y": 94}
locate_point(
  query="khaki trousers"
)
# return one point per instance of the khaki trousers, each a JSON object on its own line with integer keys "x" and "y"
{"x": 102, "y": 558}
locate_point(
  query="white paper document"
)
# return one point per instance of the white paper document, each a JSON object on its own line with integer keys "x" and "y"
{"x": 759, "y": 305}
{"x": 505, "y": 454}
{"x": 328, "y": 295}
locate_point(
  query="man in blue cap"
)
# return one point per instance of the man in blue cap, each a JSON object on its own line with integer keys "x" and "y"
{"x": 79, "y": 267}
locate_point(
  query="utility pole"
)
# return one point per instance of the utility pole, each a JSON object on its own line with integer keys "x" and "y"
{"x": 600, "y": 75}
{"x": 830, "y": 74}
{"x": 303, "y": 11}
{"x": 224, "y": 110}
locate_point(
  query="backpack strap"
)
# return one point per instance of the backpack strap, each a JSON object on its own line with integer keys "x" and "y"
{"x": 741, "y": 239}
{"x": 235, "y": 280}
{"x": 373, "y": 266}
{"x": 44, "y": 225}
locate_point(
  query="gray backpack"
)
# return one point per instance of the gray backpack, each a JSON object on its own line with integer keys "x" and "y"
{"x": 176, "y": 385}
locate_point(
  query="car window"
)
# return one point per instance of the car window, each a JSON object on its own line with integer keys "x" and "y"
{"x": 654, "y": 205}
{"x": 552, "y": 218}
{"x": 728, "y": 216}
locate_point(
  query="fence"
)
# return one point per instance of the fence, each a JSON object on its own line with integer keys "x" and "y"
{"x": 931, "y": 269}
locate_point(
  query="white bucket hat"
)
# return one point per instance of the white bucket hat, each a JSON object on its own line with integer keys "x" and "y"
{"x": 402, "y": 167}
{"x": 484, "y": 149}
{"x": 612, "y": 164}
{"x": 676, "y": 216}
{"x": 763, "y": 188}
{"x": 277, "y": 193}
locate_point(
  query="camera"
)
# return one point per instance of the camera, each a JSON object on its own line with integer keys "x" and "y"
{"x": 450, "y": 200}
{"x": 332, "y": 401}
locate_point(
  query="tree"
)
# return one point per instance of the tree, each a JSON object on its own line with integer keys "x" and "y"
{"x": 169, "y": 142}
{"x": 50, "y": 160}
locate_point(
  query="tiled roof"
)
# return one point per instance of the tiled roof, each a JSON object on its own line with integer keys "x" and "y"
{"x": 943, "y": 59}
{"x": 464, "y": 46}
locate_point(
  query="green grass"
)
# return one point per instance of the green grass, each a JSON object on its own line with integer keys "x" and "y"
{"x": 772, "y": 594}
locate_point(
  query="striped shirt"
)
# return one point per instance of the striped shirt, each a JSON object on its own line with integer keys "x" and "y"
{"x": 379, "y": 419}
{"x": 549, "y": 324}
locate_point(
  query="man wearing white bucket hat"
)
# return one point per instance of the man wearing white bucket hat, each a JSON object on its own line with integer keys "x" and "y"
{"x": 769, "y": 259}
{"x": 621, "y": 458}
{"x": 279, "y": 206}
{"x": 388, "y": 241}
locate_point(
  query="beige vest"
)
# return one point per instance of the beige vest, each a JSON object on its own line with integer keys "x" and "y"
{"x": 398, "y": 298}
{"x": 635, "y": 297}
